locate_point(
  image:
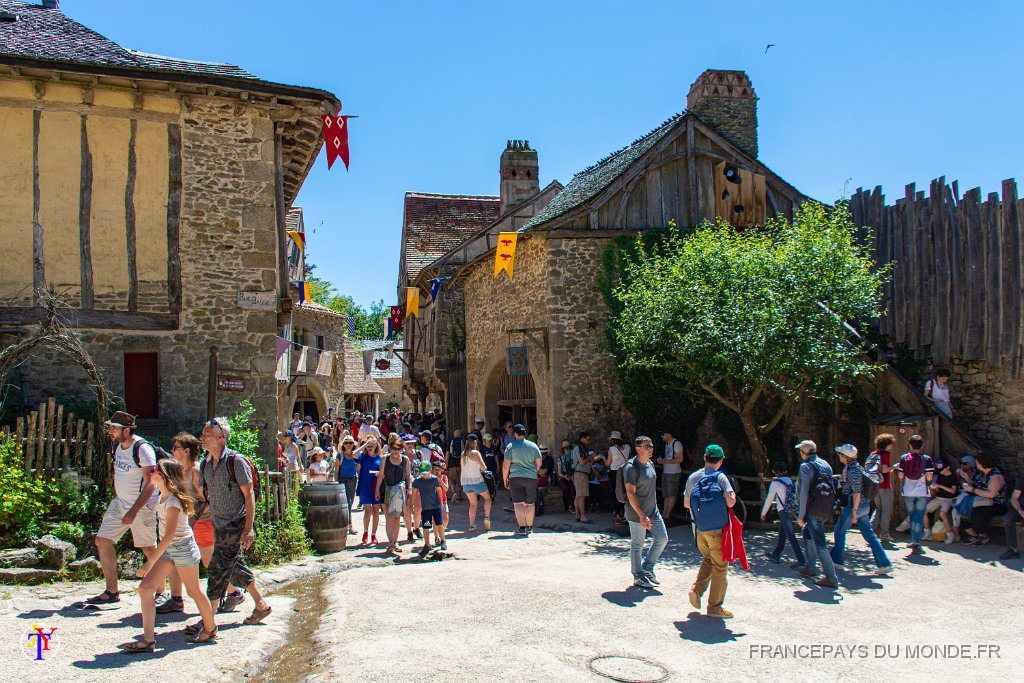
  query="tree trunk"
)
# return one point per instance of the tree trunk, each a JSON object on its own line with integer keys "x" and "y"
{"x": 757, "y": 448}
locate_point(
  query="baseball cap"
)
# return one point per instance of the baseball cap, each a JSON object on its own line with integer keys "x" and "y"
{"x": 807, "y": 446}
{"x": 942, "y": 464}
{"x": 426, "y": 432}
{"x": 847, "y": 449}
{"x": 714, "y": 452}
{"x": 488, "y": 437}
{"x": 969, "y": 459}
{"x": 480, "y": 421}
{"x": 436, "y": 462}
{"x": 289, "y": 433}
{"x": 424, "y": 467}
{"x": 519, "y": 428}
{"x": 408, "y": 438}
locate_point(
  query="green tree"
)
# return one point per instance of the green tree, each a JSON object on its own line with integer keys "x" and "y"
{"x": 752, "y": 318}
{"x": 369, "y": 324}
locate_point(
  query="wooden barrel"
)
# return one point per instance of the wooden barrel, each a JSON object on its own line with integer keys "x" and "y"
{"x": 326, "y": 510}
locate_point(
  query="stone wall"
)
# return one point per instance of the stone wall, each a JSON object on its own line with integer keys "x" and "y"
{"x": 393, "y": 393}
{"x": 313, "y": 322}
{"x": 227, "y": 245}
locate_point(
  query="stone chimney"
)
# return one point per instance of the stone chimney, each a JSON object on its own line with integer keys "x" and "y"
{"x": 726, "y": 101}
{"x": 519, "y": 173}
{"x": 51, "y": 4}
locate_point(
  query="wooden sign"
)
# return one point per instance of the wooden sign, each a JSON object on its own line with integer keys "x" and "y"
{"x": 263, "y": 300}
{"x": 382, "y": 364}
{"x": 229, "y": 383}
{"x": 739, "y": 195}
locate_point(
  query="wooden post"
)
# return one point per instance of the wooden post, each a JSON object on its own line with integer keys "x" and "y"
{"x": 66, "y": 453}
{"x": 19, "y": 433}
{"x": 40, "y": 440}
{"x": 267, "y": 490}
{"x": 80, "y": 458}
{"x": 211, "y": 387}
{"x": 53, "y": 449}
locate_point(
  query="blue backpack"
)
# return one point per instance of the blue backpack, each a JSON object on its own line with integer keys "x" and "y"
{"x": 789, "y": 504}
{"x": 707, "y": 501}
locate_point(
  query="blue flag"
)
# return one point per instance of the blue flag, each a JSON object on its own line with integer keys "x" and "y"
{"x": 435, "y": 287}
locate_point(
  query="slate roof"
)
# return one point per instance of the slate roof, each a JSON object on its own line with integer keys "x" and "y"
{"x": 393, "y": 372}
{"x": 589, "y": 182}
{"x": 354, "y": 380}
{"x": 50, "y": 35}
{"x": 437, "y": 223}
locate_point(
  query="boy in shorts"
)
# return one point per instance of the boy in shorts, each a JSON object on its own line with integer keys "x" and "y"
{"x": 428, "y": 491}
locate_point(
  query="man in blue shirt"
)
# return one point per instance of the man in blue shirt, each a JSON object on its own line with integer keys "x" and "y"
{"x": 522, "y": 460}
{"x": 813, "y": 523}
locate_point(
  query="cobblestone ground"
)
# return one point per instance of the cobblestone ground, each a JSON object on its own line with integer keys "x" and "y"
{"x": 558, "y": 606}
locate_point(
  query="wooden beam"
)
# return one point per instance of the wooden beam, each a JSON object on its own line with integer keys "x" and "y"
{"x": 38, "y": 264}
{"x": 115, "y": 320}
{"x": 282, "y": 228}
{"x": 691, "y": 174}
{"x": 129, "y": 220}
{"x": 85, "y": 219}
{"x": 173, "y": 217}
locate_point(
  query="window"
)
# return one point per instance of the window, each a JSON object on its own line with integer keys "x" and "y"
{"x": 297, "y": 339}
{"x": 319, "y": 342}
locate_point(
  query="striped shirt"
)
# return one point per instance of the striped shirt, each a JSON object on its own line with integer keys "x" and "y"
{"x": 853, "y": 478}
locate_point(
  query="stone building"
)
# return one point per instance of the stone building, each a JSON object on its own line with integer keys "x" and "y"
{"x": 697, "y": 165}
{"x": 386, "y": 370}
{"x": 441, "y": 234}
{"x": 150, "y": 193}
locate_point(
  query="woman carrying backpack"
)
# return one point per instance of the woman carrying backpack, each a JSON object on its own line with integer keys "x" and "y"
{"x": 857, "y": 491}
{"x": 916, "y": 471}
{"x": 782, "y": 493}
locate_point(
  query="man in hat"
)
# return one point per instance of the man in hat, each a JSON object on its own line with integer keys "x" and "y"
{"x": 134, "y": 503}
{"x": 478, "y": 429}
{"x": 708, "y": 496}
{"x": 369, "y": 429}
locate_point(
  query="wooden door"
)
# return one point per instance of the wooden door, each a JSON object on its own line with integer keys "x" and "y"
{"x": 141, "y": 385}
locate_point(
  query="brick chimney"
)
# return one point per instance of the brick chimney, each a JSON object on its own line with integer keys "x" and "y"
{"x": 519, "y": 173}
{"x": 726, "y": 101}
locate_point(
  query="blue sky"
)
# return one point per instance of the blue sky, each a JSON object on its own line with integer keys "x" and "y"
{"x": 858, "y": 93}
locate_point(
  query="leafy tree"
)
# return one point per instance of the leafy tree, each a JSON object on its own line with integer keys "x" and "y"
{"x": 752, "y": 318}
{"x": 369, "y": 324}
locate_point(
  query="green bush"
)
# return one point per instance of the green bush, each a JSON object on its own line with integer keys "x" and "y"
{"x": 281, "y": 540}
{"x": 245, "y": 438}
{"x": 25, "y": 501}
{"x": 72, "y": 532}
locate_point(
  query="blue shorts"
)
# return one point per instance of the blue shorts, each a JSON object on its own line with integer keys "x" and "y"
{"x": 428, "y": 516}
{"x": 183, "y": 554}
{"x": 479, "y": 487}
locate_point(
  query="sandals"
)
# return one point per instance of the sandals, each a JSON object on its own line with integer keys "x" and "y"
{"x": 104, "y": 598}
{"x": 204, "y": 637}
{"x": 137, "y": 646}
{"x": 257, "y": 616}
{"x": 194, "y": 629}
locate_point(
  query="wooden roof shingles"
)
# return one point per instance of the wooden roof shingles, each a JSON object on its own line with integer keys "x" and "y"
{"x": 354, "y": 380}
{"x": 434, "y": 224}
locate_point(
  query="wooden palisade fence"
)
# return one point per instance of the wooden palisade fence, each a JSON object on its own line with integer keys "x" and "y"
{"x": 54, "y": 442}
{"x": 956, "y": 283}
{"x": 278, "y": 489}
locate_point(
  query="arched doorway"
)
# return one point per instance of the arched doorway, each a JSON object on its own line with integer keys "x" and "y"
{"x": 513, "y": 399}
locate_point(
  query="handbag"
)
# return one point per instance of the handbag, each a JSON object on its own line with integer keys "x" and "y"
{"x": 394, "y": 498}
{"x": 489, "y": 480}
{"x": 964, "y": 504}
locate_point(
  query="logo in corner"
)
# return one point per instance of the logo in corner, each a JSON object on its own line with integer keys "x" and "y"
{"x": 39, "y": 643}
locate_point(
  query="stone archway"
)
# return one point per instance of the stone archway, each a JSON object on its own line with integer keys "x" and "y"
{"x": 510, "y": 399}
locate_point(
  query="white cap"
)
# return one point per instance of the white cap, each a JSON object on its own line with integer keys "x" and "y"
{"x": 807, "y": 446}
{"x": 480, "y": 420}
{"x": 616, "y": 435}
{"x": 847, "y": 449}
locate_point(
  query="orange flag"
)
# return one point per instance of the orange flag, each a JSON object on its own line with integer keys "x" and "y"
{"x": 505, "y": 255}
{"x": 412, "y": 302}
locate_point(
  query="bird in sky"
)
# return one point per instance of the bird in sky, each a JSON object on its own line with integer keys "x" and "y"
{"x": 768, "y": 46}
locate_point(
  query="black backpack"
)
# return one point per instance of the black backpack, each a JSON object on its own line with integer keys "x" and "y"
{"x": 160, "y": 452}
{"x": 821, "y": 499}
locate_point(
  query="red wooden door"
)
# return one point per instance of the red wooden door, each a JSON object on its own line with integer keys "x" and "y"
{"x": 141, "y": 384}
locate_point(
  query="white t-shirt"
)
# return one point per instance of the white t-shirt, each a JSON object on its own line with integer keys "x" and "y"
{"x": 128, "y": 475}
{"x": 673, "y": 450}
{"x": 182, "y": 530}
{"x": 318, "y": 471}
{"x": 366, "y": 431}
{"x": 618, "y": 455}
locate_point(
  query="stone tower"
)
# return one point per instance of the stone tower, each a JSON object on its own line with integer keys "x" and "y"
{"x": 519, "y": 173}
{"x": 726, "y": 101}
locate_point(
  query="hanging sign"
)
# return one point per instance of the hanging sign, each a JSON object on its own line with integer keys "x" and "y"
{"x": 382, "y": 364}
{"x": 505, "y": 254}
{"x": 336, "y": 139}
{"x": 412, "y": 302}
{"x": 228, "y": 383}
{"x": 518, "y": 361}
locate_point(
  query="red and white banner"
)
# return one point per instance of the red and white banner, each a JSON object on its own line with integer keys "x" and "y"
{"x": 336, "y": 139}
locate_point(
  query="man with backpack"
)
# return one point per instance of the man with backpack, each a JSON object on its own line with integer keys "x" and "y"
{"x": 708, "y": 496}
{"x": 227, "y": 478}
{"x": 642, "y": 514}
{"x": 671, "y": 471}
{"x": 134, "y": 504}
{"x": 817, "y": 498}
{"x": 915, "y": 472}
{"x": 857, "y": 488}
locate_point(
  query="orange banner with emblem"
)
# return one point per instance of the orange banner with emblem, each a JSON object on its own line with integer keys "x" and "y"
{"x": 505, "y": 255}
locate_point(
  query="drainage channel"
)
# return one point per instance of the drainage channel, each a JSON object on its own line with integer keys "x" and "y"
{"x": 298, "y": 659}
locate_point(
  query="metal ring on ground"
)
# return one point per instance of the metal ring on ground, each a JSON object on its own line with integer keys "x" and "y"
{"x": 628, "y": 669}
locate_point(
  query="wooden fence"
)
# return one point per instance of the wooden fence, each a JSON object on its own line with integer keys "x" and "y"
{"x": 278, "y": 489}
{"x": 956, "y": 282}
{"x": 52, "y": 441}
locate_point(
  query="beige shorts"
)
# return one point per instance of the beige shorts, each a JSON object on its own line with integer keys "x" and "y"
{"x": 143, "y": 527}
{"x": 940, "y": 504}
{"x": 581, "y": 482}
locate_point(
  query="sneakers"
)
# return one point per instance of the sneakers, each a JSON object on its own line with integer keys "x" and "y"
{"x": 418, "y": 533}
{"x": 694, "y": 599}
{"x": 410, "y": 537}
{"x": 521, "y": 531}
{"x": 927, "y": 535}
{"x": 904, "y": 525}
{"x": 949, "y": 539}
{"x": 642, "y": 582}
{"x": 172, "y": 604}
{"x": 652, "y": 577}
{"x": 1010, "y": 554}
{"x": 230, "y": 601}
{"x": 160, "y": 598}
{"x": 472, "y": 528}
{"x": 807, "y": 572}
{"x": 916, "y": 550}
{"x": 424, "y": 550}
{"x": 825, "y": 582}
{"x": 771, "y": 558}
{"x": 443, "y": 546}
{"x": 720, "y": 612}
{"x": 487, "y": 524}
{"x": 529, "y": 530}
{"x": 884, "y": 571}
{"x": 982, "y": 540}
